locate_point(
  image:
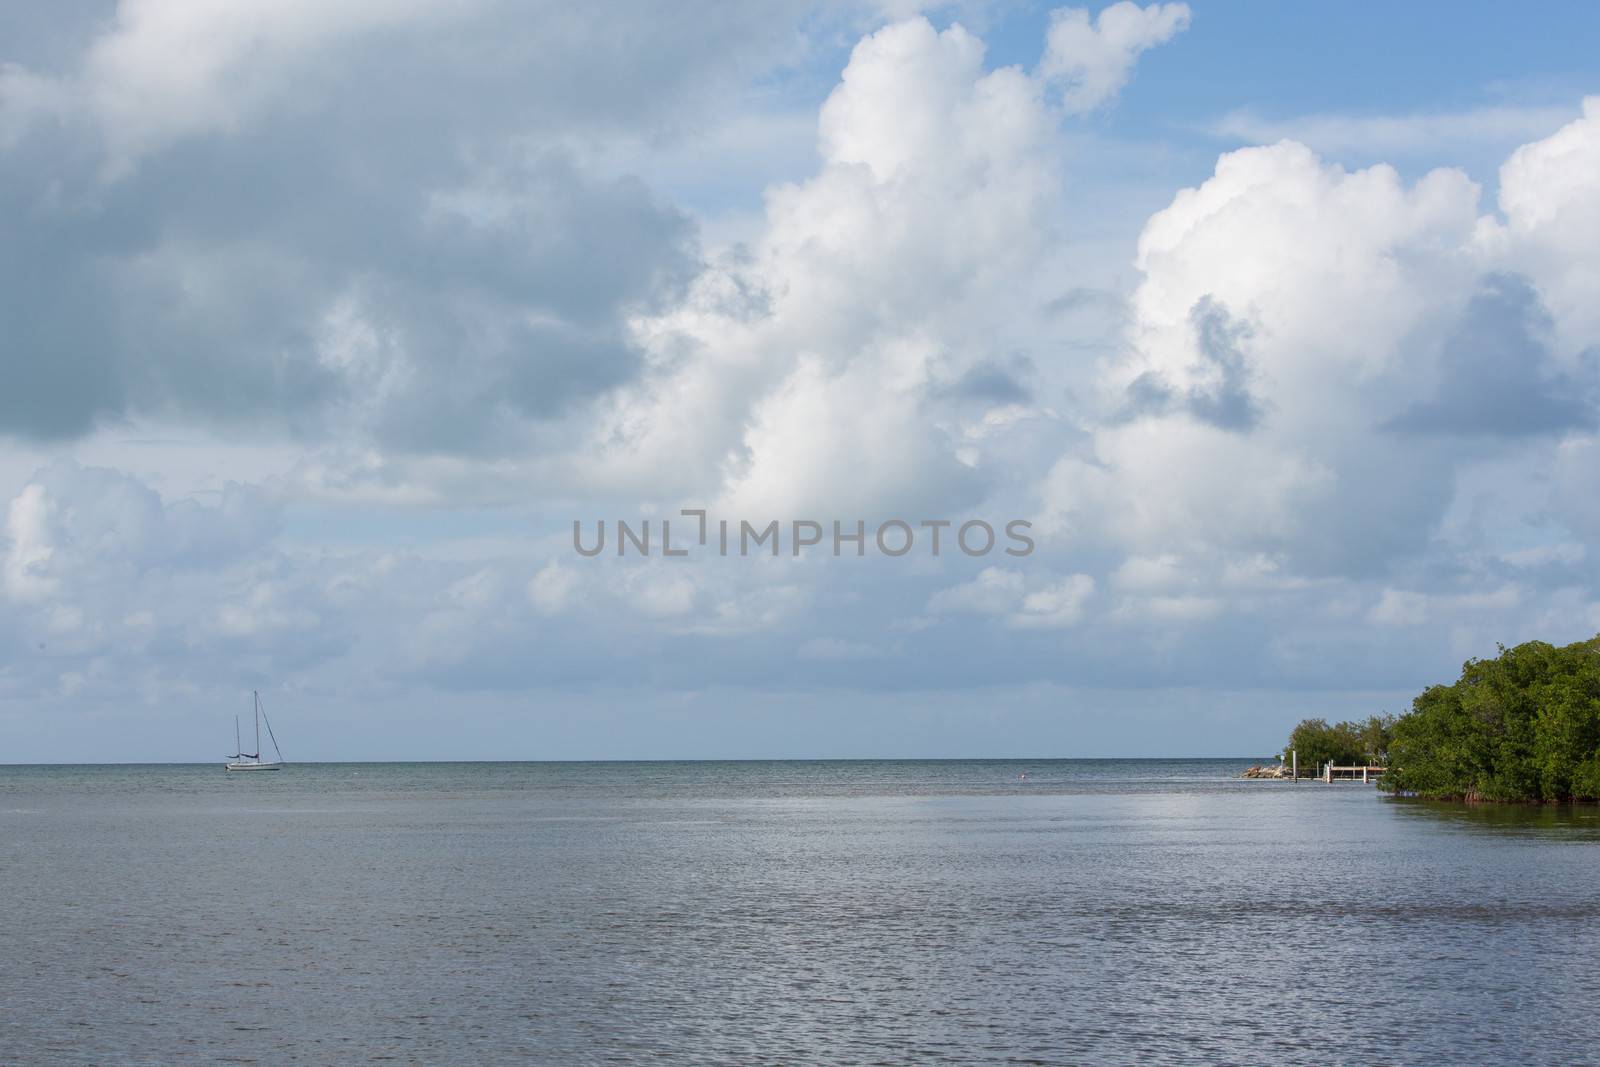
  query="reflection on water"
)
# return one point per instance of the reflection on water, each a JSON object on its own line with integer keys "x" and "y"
{"x": 1572, "y": 823}
{"x": 948, "y": 912}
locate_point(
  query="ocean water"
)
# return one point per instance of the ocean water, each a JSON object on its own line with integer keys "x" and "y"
{"x": 915, "y": 912}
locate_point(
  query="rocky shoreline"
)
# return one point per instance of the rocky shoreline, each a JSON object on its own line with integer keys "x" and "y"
{"x": 1258, "y": 771}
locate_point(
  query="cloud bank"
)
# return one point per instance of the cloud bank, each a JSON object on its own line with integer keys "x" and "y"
{"x": 1339, "y": 423}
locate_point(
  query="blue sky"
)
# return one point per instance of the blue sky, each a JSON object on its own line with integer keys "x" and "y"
{"x": 322, "y": 325}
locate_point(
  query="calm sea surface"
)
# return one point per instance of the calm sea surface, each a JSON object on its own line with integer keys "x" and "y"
{"x": 1100, "y": 912}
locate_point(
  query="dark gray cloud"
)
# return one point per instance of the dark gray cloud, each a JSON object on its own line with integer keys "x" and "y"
{"x": 425, "y": 182}
{"x": 1497, "y": 378}
{"x": 1082, "y": 297}
{"x": 1222, "y": 397}
{"x": 991, "y": 382}
{"x": 54, "y": 335}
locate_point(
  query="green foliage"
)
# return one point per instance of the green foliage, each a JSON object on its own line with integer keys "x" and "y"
{"x": 1344, "y": 744}
{"x": 1524, "y": 726}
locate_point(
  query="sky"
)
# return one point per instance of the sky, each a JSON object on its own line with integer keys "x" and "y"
{"x": 321, "y": 325}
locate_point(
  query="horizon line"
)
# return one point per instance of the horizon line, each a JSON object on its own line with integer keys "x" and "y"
{"x": 683, "y": 759}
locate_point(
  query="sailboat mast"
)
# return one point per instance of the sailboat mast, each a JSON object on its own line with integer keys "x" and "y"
{"x": 274, "y": 737}
{"x": 252, "y": 761}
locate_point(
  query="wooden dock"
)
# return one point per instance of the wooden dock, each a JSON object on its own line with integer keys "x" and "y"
{"x": 1366, "y": 773}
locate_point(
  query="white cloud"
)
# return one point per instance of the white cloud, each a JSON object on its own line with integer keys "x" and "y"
{"x": 1552, "y": 225}
{"x": 804, "y": 375}
{"x": 74, "y": 525}
{"x": 264, "y": 608}
{"x": 993, "y": 592}
{"x": 1401, "y": 607}
{"x": 1285, "y": 307}
{"x": 997, "y": 591}
{"x": 1169, "y": 609}
{"x": 1544, "y": 555}
{"x": 29, "y": 520}
{"x": 661, "y": 594}
{"x": 166, "y": 69}
{"x": 1148, "y": 573}
{"x": 897, "y": 335}
{"x": 382, "y": 223}
{"x": 1094, "y": 58}
{"x": 1192, "y": 584}
{"x": 1332, "y": 381}
{"x": 551, "y": 589}
{"x": 1058, "y": 604}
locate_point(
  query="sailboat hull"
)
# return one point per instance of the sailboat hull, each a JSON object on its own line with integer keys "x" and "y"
{"x": 254, "y": 763}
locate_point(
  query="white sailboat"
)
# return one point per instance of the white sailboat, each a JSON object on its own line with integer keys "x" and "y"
{"x": 251, "y": 761}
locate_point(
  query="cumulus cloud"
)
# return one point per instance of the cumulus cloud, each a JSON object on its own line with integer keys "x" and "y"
{"x": 552, "y": 588}
{"x": 1219, "y": 388}
{"x": 28, "y": 530}
{"x": 1336, "y": 402}
{"x": 1338, "y": 391}
{"x": 1093, "y": 58}
{"x": 467, "y": 282}
{"x": 1056, "y": 604}
{"x": 833, "y": 366}
{"x": 1552, "y": 224}
{"x": 372, "y": 220}
{"x": 163, "y": 70}
{"x": 1496, "y": 375}
{"x": 1037, "y": 603}
{"x": 995, "y": 590}
{"x": 72, "y": 526}
{"x": 1400, "y": 607}
{"x": 99, "y": 570}
{"x": 1321, "y": 289}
